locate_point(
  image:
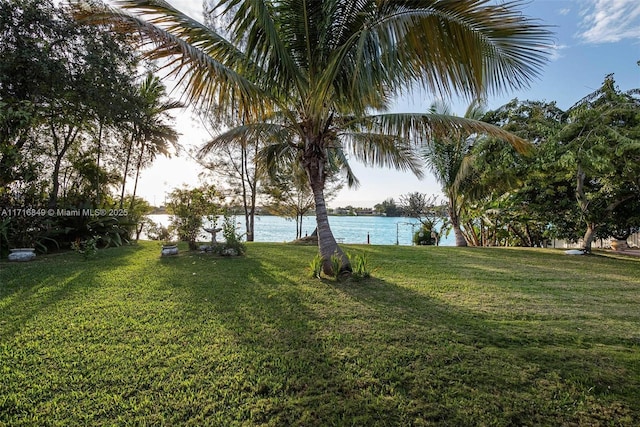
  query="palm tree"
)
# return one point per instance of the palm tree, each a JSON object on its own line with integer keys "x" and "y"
{"x": 322, "y": 71}
{"x": 450, "y": 160}
{"x": 154, "y": 134}
{"x": 150, "y": 132}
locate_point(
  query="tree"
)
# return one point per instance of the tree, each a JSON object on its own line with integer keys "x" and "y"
{"x": 189, "y": 207}
{"x": 426, "y": 209}
{"x": 57, "y": 79}
{"x": 152, "y": 132}
{"x": 388, "y": 208}
{"x": 450, "y": 160}
{"x": 309, "y": 75}
{"x": 522, "y": 199}
{"x": 603, "y": 140}
{"x": 237, "y": 164}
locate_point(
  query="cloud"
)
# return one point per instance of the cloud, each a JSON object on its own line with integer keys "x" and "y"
{"x": 556, "y": 51}
{"x": 609, "y": 21}
{"x": 564, "y": 11}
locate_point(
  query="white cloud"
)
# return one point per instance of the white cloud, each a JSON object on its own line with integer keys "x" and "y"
{"x": 556, "y": 51}
{"x": 564, "y": 11}
{"x": 609, "y": 21}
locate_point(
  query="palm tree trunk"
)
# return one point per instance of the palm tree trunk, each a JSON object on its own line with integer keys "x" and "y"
{"x": 455, "y": 224}
{"x": 135, "y": 185}
{"x": 327, "y": 244}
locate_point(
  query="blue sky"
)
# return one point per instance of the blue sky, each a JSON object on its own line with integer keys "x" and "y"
{"x": 593, "y": 38}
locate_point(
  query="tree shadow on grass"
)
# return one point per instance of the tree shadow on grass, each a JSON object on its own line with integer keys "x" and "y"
{"x": 573, "y": 377}
{"x": 312, "y": 352}
{"x": 27, "y": 289}
{"x": 246, "y": 341}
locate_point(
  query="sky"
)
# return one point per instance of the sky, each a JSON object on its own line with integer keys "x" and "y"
{"x": 592, "y": 38}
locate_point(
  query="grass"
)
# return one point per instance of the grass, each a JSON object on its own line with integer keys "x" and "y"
{"x": 438, "y": 336}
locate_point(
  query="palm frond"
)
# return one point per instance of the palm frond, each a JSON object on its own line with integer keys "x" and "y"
{"x": 270, "y": 132}
{"x": 211, "y": 68}
{"x": 377, "y": 149}
{"x": 422, "y": 128}
{"x": 339, "y": 163}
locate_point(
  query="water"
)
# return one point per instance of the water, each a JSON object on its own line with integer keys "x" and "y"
{"x": 346, "y": 229}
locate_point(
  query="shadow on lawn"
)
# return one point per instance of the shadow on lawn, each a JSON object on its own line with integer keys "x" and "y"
{"x": 315, "y": 352}
{"x": 575, "y": 374}
{"x": 277, "y": 368}
{"x": 25, "y": 291}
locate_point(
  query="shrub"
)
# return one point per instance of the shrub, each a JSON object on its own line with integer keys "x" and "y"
{"x": 424, "y": 236}
{"x": 87, "y": 248}
{"x": 336, "y": 265}
{"x": 233, "y": 240}
{"x": 188, "y": 208}
{"x": 157, "y": 231}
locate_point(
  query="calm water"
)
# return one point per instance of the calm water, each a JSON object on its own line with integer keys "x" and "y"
{"x": 346, "y": 229}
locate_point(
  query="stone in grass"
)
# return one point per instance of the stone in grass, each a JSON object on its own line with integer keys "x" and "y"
{"x": 574, "y": 252}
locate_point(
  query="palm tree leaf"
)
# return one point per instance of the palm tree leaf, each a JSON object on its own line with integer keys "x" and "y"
{"x": 248, "y": 132}
{"x": 211, "y": 68}
{"x": 423, "y": 128}
{"x": 375, "y": 149}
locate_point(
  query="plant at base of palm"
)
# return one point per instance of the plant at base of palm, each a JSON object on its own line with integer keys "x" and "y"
{"x": 360, "y": 269}
{"x": 315, "y": 267}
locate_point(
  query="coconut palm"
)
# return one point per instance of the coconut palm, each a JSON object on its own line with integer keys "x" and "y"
{"x": 450, "y": 160}
{"x": 322, "y": 71}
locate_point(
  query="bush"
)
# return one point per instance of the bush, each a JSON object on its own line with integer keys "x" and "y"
{"x": 157, "y": 231}
{"x": 188, "y": 208}
{"x": 315, "y": 266}
{"x": 424, "y": 237}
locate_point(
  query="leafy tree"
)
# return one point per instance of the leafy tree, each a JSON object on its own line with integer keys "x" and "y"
{"x": 308, "y": 75}
{"x": 151, "y": 131}
{"x": 426, "y": 209}
{"x": 522, "y": 199}
{"x": 237, "y": 165}
{"x": 450, "y": 160}
{"x": 602, "y": 138}
{"x": 388, "y": 207}
{"x": 289, "y": 194}
{"x": 58, "y": 78}
{"x": 189, "y": 207}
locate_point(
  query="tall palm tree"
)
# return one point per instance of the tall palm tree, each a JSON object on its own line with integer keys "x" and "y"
{"x": 450, "y": 159}
{"x": 326, "y": 68}
{"x": 154, "y": 133}
{"x": 150, "y": 131}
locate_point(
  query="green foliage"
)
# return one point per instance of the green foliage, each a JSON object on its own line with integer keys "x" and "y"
{"x": 336, "y": 265}
{"x": 87, "y": 248}
{"x": 315, "y": 267}
{"x": 156, "y": 231}
{"x": 389, "y": 208}
{"x": 425, "y": 237}
{"x": 359, "y": 266}
{"x": 188, "y": 209}
{"x": 107, "y": 231}
{"x": 233, "y": 241}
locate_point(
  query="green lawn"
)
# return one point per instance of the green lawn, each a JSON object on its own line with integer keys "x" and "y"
{"x": 438, "y": 336}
